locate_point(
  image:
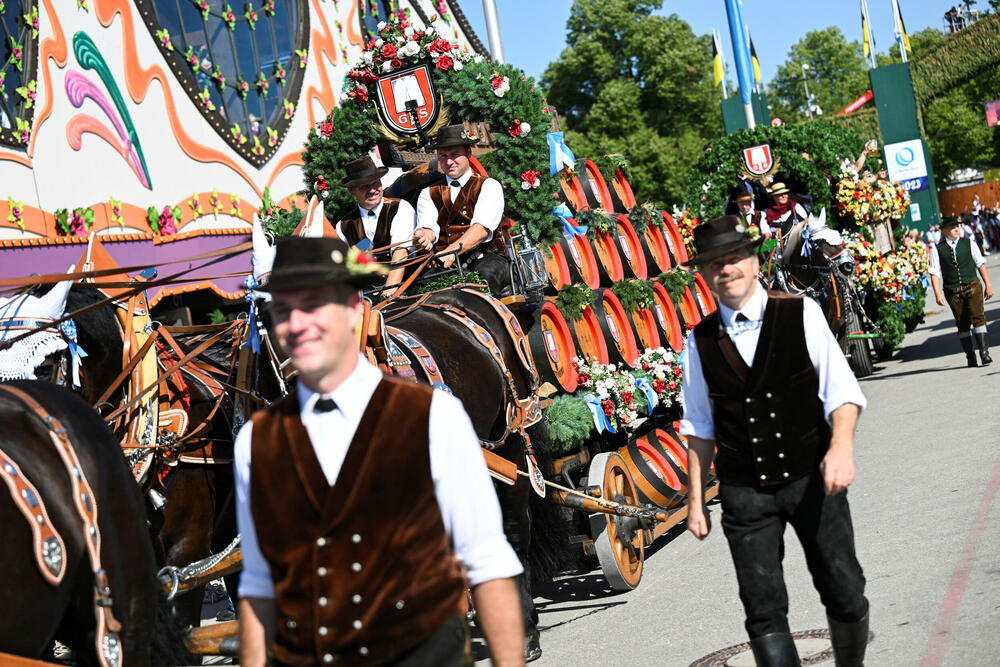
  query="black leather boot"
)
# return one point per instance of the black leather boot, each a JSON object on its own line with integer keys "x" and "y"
{"x": 775, "y": 650}
{"x": 984, "y": 348}
{"x": 849, "y": 641}
{"x": 970, "y": 354}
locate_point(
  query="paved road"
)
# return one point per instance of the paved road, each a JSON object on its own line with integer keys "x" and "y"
{"x": 927, "y": 531}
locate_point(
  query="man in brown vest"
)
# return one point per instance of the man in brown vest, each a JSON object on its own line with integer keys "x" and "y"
{"x": 383, "y": 221}
{"x": 463, "y": 213}
{"x": 744, "y": 204}
{"x": 362, "y": 500}
{"x": 766, "y": 383}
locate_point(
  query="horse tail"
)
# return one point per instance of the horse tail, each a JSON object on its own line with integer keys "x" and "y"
{"x": 548, "y": 553}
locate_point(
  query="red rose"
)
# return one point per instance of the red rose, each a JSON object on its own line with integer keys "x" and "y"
{"x": 659, "y": 386}
{"x": 359, "y": 95}
{"x": 370, "y": 45}
{"x": 368, "y": 76}
{"x": 609, "y": 407}
{"x": 646, "y": 366}
{"x": 439, "y": 46}
{"x": 678, "y": 371}
{"x": 444, "y": 63}
{"x": 515, "y": 129}
{"x": 321, "y": 183}
{"x": 326, "y": 129}
{"x": 396, "y": 63}
{"x": 388, "y": 51}
{"x": 584, "y": 378}
{"x": 496, "y": 82}
{"x": 672, "y": 386}
{"x": 627, "y": 397}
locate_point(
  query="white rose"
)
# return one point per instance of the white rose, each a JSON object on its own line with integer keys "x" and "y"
{"x": 381, "y": 24}
{"x": 379, "y": 42}
{"x": 525, "y": 185}
{"x": 458, "y": 66}
{"x": 400, "y": 40}
{"x": 411, "y": 49}
{"x": 525, "y": 128}
{"x": 429, "y": 30}
{"x": 367, "y": 58}
{"x": 408, "y": 31}
{"x": 387, "y": 66}
{"x": 499, "y": 92}
{"x": 478, "y": 58}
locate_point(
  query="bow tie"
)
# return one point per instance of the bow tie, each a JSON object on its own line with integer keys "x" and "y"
{"x": 324, "y": 405}
{"x": 455, "y": 184}
{"x": 740, "y": 317}
{"x": 371, "y": 213}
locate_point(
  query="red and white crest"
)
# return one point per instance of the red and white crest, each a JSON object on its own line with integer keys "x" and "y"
{"x": 550, "y": 344}
{"x": 394, "y": 90}
{"x": 758, "y": 159}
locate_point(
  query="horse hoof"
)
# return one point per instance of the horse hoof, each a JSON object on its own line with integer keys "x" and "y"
{"x": 532, "y": 647}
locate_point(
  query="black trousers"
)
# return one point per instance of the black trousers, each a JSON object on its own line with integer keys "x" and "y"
{"x": 449, "y": 646}
{"x": 754, "y": 521}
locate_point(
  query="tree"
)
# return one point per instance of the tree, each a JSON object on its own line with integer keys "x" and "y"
{"x": 639, "y": 84}
{"x": 836, "y": 75}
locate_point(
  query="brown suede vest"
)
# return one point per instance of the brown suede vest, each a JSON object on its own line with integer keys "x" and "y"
{"x": 363, "y": 570}
{"x": 455, "y": 216}
{"x": 353, "y": 229}
{"x": 769, "y": 421}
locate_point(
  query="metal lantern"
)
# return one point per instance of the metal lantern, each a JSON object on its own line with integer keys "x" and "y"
{"x": 531, "y": 266}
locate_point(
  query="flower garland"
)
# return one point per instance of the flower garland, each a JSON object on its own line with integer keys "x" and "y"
{"x": 892, "y": 276}
{"x": 686, "y": 223}
{"x": 863, "y": 200}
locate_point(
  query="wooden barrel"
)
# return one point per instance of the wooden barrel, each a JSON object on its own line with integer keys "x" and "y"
{"x": 594, "y": 185}
{"x": 552, "y": 347}
{"x": 675, "y": 450}
{"x": 582, "y": 263}
{"x": 656, "y": 251}
{"x": 688, "y": 309}
{"x": 656, "y": 479}
{"x": 557, "y": 268}
{"x": 666, "y": 318}
{"x": 616, "y": 327}
{"x": 588, "y": 337}
{"x": 630, "y": 248}
{"x": 572, "y": 193}
{"x": 703, "y": 295}
{"x": 684, "y": 441}
{"x": 621, "y": 193}
{"x": 672, "y": 235}
{"x": 647, "y": 332}
{"x": 609, "y": 261}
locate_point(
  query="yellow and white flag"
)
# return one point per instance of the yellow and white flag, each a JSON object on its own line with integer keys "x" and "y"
{"x": 718, "y": 68}
{"x": 867, "y": 38}
{"x": 900, "y": 29}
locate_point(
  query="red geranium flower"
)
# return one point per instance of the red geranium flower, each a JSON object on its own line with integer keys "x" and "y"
{"x": 678, "y": 371}
{"x": 444, "y": 63}
{"x": 627, "y": 397}
{"x": 672, "y": 386}
{"x": 496, "y": 82}
{"x": 321, "y": 183}
{"x": 388, "y": 51}
{"x": 515, "y": 129}
{"x": 659, "y": 386}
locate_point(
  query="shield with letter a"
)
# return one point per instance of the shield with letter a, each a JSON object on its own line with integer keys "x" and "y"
{"x": 758, "y": 159}
{"x": 395, "y": 90}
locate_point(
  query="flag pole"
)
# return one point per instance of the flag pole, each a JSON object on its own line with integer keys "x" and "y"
{"x": 741, "y": 53}
{"x": 493, "y": 30}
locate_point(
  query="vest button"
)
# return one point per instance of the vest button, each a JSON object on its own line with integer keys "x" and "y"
{"x": 321, "y": 542}
{"x": 786, "y": 474}
{"x": 291, "y": 625}
{"x": 781, "y": 455}
{"x": 748, "y": 399}
{"x": 400, "y": 604}
{"x": 363, "y": 650}
{"x": 763, "y": 476}
{"x": 759, "y": 459}
{"x": 753, "y": 419}
{"x": 768, "y": 395}
{"x": 323, "y": 631}
{"x": 356, "y": 624}
{"x": 754, "y": 440}
{"x": 356, "y": 599}
{"x": 321, "y": 571}
{"x": 322, "y": 601}
{"x": 355, "y": 567}
{"x": 772, "y": 415}
{"x": 777, "y": 435}
{"x": 356, "y": 538}
{"x": 328, "y": 658}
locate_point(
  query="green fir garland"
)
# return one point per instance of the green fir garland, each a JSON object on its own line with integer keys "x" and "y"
{"x": 644, "y": 215}
{"x": 674, "y": 281}
{"x": 573, "y": 300}
{"x": 570, "y": 423}
{"x": 634, "y": 294}
{"x": 596, "y": 220}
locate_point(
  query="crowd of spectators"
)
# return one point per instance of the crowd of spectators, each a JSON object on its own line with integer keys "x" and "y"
{"x": 981, "y": 224}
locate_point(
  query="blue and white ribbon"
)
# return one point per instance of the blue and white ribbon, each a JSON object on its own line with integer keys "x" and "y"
{"x": 806, "y": 245}
{"x": 76, "y": 352}
{"x": 569, "y": 229}
{"x": 253, "y": 339}
{"x": 600, "y": 419}
{"x": 364, "y": 244}
{"x": 925, "y": 281}
{"x": 559, "y": 154}
{"x": 643, "y": 385}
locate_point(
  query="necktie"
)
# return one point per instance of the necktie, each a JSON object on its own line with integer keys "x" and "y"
{"x": 456, "y": 184}
{"x": 324, "y": 405}
{"x": 371, "y": 214}
{"x": 740, "y": 317}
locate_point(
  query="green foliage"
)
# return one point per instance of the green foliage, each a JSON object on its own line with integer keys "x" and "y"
{"x": 644, "y": 215}
{"x": 450, "y": 280}
{"x": 675, "y": 280}
{"x": 913, "y": 309}
{"x": 890, "y": 321}
{"x": 570, "y": 423}
{"x": 609, "y": 164}
{"x": 282, "y": 222}
{"x": 596, "y": 220}
{"x": 956, "y": 58}
{"x": 634, "y": 294}
{"x": 572, "y": 300}
{"x": 216, "y": 316}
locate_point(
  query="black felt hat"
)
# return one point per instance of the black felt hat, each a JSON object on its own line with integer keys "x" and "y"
{"x": 949, "y": 221}
{"x": 454, "y": 135}
{"x": 302, "y": 263}
{"x": 719, "y": 237}
{"x": 362, "y": 172}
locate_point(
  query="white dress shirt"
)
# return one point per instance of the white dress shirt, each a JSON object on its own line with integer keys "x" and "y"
{"x": 837, "y": 384}
{"x": 487, "y": 212}
{"x": 400, "y": 227}
{"x": 934, "y": 265}
{"x": 468, "y": 504}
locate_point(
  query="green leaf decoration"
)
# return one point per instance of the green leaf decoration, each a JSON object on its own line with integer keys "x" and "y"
{"x": 452, "y": 279}
{"x": 596, "y": 220}
{"x": 573, "y": 300}
{"x": 634, "y": 294}
{"x": 674, "y": 281}
{"x": 570, "y": 423}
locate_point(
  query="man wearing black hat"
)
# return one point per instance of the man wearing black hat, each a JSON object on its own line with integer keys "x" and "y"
{"x": 383, "y": 221}
{"x": 954, "y": 262}
{"x": 462, "y": 213}
{"x": 744, "y": 201}
{"x": 766, "y": 383}
{"x": 363, "y": 501}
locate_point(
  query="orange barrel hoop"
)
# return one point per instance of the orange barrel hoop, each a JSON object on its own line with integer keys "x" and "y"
{"x": 552, "y": 347}
{"x": 557, "y": 268}
{"x": 572, "y": 193}
{"x": 666, "y": 318}
{"x": 609, "y": 261}
{"x": 703, "y": 295}
{"x": 688, "y": 309}
{"x": 631, "y": 249}
{"x": 684, "y": 441}
{"x": 589, "y": 337}
{"x": 621, "y": 193}
{"x": 594, "y": 185}
{"x": 646, "y": 331}
{"x": 616, "y": 327}
{"x": 675, "y": 241}
{"x": 580, "y": 259}
{"x": 675, "y": 451}
{"x": 656, "y": 480}
{"x": 656, "y": 251}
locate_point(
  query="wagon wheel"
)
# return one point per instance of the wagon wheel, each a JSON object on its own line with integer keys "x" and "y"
{"x": 617, "y": 540}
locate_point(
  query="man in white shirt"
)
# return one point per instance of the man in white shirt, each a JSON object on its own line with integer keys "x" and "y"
{"x": 752, "y": 217}
{"x": 765, "y": 381}
{"x": 362, "y": 498}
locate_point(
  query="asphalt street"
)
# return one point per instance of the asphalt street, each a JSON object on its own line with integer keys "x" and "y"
{"x": 927, "y": 532}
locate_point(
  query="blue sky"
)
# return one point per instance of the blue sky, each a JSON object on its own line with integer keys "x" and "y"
{"x": 534, "y": 31}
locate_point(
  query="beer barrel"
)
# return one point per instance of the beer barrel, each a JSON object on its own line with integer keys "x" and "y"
{"x": 656, "y": 479}
{"x": 646, "y": 332}
{"x": 580, "y": 259}
{"x": 684, "y": 441}
{"x": 655, "y": 249}
{"x": 552, "y": 347}
{"x": 666, "y": 318}
{"x": 621, "y": 193}
{"x": 616, "y": 327}
{"x": 609, "y": 261}
{"x": 631, "y": 249}
{"x": 557, "y": 268}
{"x": 674, "y": 450}
{"x": 703, "y": 295}
{"x": 572, "y": 193}
{"x": 688, "y": 309}
{"x": 589, "y": 337}
{"x": 594, "y": 185}
{"x": 675, "y": 241}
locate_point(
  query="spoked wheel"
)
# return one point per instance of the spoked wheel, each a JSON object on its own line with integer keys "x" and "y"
{"x": 857, "y": 348}
{"x": 617, "y": 539}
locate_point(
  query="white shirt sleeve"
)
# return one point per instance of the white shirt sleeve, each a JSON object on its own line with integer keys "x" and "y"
{"x": 427, "y": 213}
{"x": 468, "y": 504}
{"x": 403, "y": 223}
{"x": 489, "y": 206}
{"x": 698, "y": 418}
{"x": 255, "y": 579}
{"x": 977, "y": 255}
{"x": 837, "y": 384}
{"x": 934, "y": 262}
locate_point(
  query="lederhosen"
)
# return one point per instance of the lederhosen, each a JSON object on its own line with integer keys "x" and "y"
{"x": 353, "y": 229}
{"x": 771, "y": 434}
{"x": 962, "y": 289}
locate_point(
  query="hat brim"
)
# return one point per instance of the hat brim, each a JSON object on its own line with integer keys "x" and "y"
{"x": 719, "y": 251}
{"x": 364, "y": 178}
{"x": 304, "y": 279}
{"x": 452, "y": 143}
{"x": 783, "y": 191}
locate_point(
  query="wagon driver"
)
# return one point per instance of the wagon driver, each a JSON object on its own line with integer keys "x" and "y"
{"x": 358, "y": 531}
{"x": 463, "y": 213}
{"x": 784, "y": 426}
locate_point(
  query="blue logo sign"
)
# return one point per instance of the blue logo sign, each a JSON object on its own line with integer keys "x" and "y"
{"x": 905, "y": 157}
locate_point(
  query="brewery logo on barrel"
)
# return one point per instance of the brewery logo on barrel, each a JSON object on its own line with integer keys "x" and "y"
{"x": 612, "y": 327}
{"x": 626, "y": 250}
{"x": 575, "y": 254}
{"x": 550, "y": 345}
{"x": 758, "y": 159}
{"x": 659, "y": 316}
{"x": 670, "y": 242}
{"x": 394, "y": 91}
{"x": 701, "y": 299}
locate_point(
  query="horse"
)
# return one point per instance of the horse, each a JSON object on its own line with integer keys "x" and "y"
{"x": 64, "y": 593}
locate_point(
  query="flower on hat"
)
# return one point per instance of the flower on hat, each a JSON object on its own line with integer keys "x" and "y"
{"x": 361, "y": 263}
{"x": 469, "y": 135}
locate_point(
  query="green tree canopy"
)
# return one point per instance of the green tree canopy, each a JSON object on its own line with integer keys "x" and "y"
{"x": 636, "y": 83}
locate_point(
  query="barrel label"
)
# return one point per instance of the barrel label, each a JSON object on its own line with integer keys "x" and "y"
{"x": 626, "y": 250}
{"x": 701, "y": 299}
{"x": 575, "y": 253}
{"x": 660, "y": 316}
{"x": 670, "y": 243}
{"x": 550, "y": 345}
{"x": 612, "y": 327}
